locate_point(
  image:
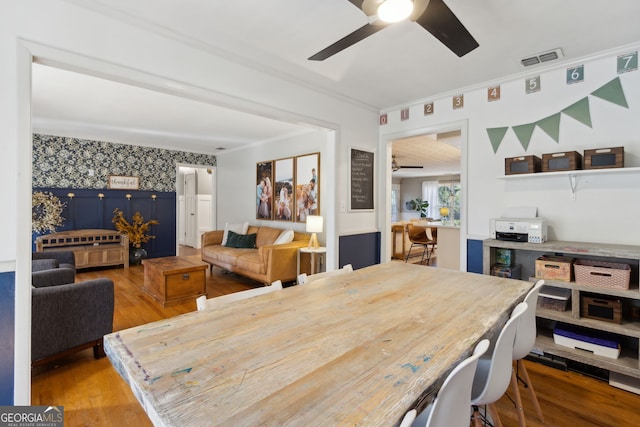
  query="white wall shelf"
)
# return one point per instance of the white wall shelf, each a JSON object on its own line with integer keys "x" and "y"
{"x": 608, "y": 171}
{"x": 572, "y": 175}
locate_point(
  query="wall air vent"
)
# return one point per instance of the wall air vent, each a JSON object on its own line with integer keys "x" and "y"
{"x": 552, "y": 55}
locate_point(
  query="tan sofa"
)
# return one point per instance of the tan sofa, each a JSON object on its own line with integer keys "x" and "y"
{"x": 266, "y": 263}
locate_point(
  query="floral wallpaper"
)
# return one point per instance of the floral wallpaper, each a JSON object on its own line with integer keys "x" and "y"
{"x": 62, "y": 162}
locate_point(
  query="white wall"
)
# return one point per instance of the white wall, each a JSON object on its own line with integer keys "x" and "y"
{"x": 64, "y": 34}
{"x": 237, "y": 182}
{"x": 605, "y": 208}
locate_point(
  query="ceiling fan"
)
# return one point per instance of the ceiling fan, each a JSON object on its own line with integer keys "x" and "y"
{"x": 396, "y": 167}
{"x": 433, "y": 15}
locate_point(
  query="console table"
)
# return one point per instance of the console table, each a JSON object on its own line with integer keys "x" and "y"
{"x": 91, "y": 247}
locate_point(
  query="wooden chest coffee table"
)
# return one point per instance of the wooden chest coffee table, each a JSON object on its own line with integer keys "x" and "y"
{"x": 174, "y": 280}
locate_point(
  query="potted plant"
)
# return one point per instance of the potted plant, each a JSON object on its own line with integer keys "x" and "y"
{"x": 419, "y": 205}
{"x": 137, "y": 232}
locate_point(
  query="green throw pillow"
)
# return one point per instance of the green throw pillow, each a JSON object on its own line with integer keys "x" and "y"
{"x": 235, "y": 240}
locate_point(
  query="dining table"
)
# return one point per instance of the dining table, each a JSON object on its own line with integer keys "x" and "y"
{"x": 358, "y": 348}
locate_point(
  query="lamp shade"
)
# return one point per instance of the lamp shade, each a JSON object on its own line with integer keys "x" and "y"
{"x": 444, "y": 211}
{"x": 314, "y": 224}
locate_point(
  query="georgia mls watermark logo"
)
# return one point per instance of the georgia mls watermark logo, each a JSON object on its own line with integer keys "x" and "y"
{"x": 31, "y": 416}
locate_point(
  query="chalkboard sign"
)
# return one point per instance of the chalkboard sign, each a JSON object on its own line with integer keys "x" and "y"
{"x": 361, "y": 180}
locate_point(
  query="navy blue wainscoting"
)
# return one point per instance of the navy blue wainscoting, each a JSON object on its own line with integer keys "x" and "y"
{"x": 359, "y": 250}
{"x": 474, "y": 256}
{"x": 7, "y": 336}
{"x": 86, "y": 209}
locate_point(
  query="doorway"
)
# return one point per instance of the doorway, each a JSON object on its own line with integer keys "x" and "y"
{"x": 196, "y": 199}
{"x": 424, "y": 158}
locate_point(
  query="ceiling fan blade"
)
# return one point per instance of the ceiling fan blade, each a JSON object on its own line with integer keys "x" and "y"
{"x": 440, "y": 21}
{"x": 351, "y": 39}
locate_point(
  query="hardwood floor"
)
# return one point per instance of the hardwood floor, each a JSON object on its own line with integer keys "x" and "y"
{"x": 93, "y": 394}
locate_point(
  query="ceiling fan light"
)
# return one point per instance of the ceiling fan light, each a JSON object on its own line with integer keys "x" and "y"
{"x": 395, "y": 10}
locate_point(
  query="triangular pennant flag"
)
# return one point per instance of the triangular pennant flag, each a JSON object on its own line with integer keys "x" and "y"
{"x": 612, "y": 92}
{"x": 524, "y": 132}
{"x": 551, "y": 126}
{"x": 495, "y": 136}
{"x": 580, "y": 111}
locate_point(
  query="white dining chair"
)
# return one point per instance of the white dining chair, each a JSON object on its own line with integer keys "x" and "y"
{"x": 202, "y": 303}
{"x": 524, "y": 342}
{"x": 450, "y": 408}
{"x": 303, "y": 278}
{"x": 493, "y": 372}
{"x": 408, "y": 419}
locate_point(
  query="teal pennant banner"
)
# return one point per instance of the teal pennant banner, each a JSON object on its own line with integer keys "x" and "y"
{"x": 495, "y": 136}
{"x": 580, "y": 111}
{"x": 612, "y": 92}
{"x": 524, "y": 132}
{"x": 551, "y": 126}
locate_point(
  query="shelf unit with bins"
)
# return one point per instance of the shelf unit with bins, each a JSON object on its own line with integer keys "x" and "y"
{"x": 525, "y": 254}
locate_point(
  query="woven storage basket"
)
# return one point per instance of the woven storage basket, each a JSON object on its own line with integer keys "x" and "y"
{"x": 602, "y": 273}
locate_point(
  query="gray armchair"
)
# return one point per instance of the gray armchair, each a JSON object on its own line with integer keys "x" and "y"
{"x": 52, "y": 268}
{"x": 70, "y": 317}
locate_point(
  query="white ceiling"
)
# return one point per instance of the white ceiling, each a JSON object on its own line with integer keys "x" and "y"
{"x": 438, "y": 154}
{"x": 399, "y": 64}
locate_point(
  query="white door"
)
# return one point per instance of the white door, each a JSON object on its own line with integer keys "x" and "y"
{"x": 182, "y": 213}
{"x": 191, "y": 204}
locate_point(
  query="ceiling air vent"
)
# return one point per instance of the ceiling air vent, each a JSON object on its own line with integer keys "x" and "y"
{"x": 552, "y": 55}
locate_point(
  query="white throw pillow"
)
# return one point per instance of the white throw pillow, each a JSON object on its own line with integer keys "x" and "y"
{"x": 236, "y": 228}
{"x": 285, "y": 237}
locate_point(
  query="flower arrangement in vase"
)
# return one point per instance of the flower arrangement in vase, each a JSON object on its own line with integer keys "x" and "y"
{"x": 137, "y": 230}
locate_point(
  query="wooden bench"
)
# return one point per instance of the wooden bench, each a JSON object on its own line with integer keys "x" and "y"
{"x": 92, "y": 248}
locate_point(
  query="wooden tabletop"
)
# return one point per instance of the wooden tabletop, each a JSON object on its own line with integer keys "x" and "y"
{"x": 354, "y": 349}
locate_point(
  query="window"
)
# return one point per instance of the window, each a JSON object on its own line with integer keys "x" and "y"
{"x": 395, "y": 197}
{"x": 449, "y": 197}
{"x": 430, "y": 194}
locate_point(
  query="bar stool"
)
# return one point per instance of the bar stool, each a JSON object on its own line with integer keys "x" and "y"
{"x": 419, "y": 235}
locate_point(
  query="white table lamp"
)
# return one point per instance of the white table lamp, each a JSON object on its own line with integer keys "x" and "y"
{"x": 314, "y": 225}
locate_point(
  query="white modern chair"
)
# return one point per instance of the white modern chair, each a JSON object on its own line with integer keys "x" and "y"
{"x": 525, "y": 340}
{"x": 493, "y": 372}
{"x": 408, "y": 419}
{"x": 303, "y": 278}
{"x": 203, "y": 303}
{"x": 450, "y": 408}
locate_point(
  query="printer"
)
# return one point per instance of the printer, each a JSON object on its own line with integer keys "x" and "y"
{"x": 531, "y": 230}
